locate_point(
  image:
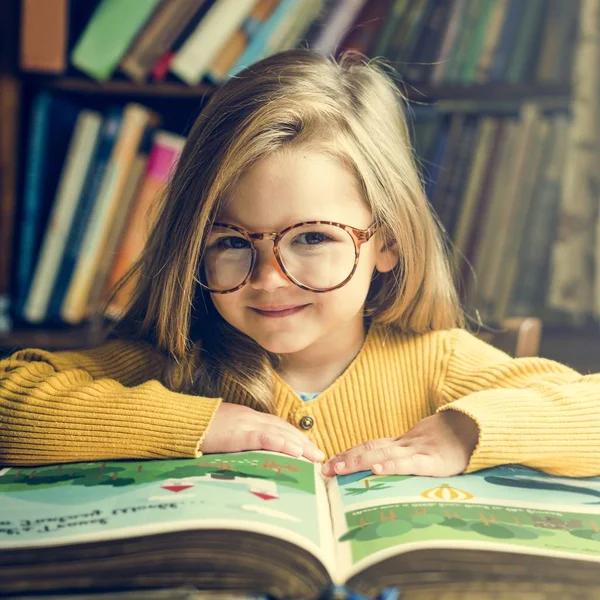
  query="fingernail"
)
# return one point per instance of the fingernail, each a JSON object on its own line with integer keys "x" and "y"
{"x": 377, "y": 468}
{"x": 340, "y": 466}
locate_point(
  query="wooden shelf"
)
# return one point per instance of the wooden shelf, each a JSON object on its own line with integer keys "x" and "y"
{"x": 121, "y": 87}
{"x": 496, "y": 92}
{"x": 50, "y": 339}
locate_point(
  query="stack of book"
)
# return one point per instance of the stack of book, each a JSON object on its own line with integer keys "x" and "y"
{"x": 495, "y": 182}
{"x": 85, "y": 189}
{"x": 461, "y": 42}
{"x": 90, "y": 179}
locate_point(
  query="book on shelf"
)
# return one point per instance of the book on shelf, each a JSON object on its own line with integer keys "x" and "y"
{"x": 52, "y": 121}
{"x": 339, "y": 20}
{"x": 70, "y": 187}
{"x": 159, "y": 35}
{"x": 363, "y": 35}
{"x": 107, "y": 136}
{"x": 111, "y": 29}
{"x": 225, "y": 62}
{"x": 44, "y": 35}
{"x": 195, "y": 57}
{"x": 541, "y": 225}
{"x": 105, "y": 207}
{"x": 123, "y": 216}
{"x": 260, "y": 522}
{"x": 164, "y": 154}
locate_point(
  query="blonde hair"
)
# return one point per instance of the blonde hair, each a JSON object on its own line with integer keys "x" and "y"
{"x": 349, "y": 109}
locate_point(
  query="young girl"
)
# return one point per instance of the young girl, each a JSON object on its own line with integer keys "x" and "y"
{"x": 294, "y": 296}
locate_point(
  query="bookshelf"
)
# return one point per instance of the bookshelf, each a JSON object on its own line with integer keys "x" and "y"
{"x": 556, "y": 94}
{"x": 179, "y": 104}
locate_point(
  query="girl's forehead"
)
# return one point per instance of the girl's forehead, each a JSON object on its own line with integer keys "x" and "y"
{"x": 295, "y": 186}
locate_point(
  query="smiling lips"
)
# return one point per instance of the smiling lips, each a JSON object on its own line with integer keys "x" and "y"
{"x": 278, "y": 311}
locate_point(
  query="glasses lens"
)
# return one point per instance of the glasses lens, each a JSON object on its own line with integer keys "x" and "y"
{"x": 226, "y": 261}
{"x": 318, "y": 256}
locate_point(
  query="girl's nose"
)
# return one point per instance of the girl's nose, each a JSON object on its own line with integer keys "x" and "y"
{"x": 267, "y": 274}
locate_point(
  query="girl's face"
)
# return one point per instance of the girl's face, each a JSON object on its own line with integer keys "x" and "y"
{"x": 281, "y": 190}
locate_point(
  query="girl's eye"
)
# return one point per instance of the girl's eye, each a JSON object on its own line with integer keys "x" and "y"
{"x": 232, "y": 243}
{"x": 312, "y": 238}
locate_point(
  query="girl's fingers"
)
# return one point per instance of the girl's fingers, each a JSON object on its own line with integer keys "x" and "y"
{"x": 278, "y": 439}
{"x": 273, "y": 439}
{"x": 415, "y": 464}
{"x": 361, "y": 457}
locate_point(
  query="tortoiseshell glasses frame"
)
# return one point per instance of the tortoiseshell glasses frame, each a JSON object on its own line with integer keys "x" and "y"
{"x": 359, "y": 237}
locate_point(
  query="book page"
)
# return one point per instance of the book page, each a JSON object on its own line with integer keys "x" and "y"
{"x": 264, "y": 492}
{"x": 510, "y": 508}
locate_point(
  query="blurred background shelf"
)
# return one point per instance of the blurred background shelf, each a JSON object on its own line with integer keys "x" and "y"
{"x": 496, "y": 92}
{"x": 510, "y": 57}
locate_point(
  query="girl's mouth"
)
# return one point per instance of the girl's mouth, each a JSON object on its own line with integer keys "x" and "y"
{"x": 275, "y": 312}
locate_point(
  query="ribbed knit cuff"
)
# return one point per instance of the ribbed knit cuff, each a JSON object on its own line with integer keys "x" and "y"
{"x": 106, "y": 423}
{"x": 518, "y": 426}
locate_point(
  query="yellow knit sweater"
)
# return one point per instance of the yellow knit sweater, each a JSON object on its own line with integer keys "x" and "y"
{"x": 107, "y": 403}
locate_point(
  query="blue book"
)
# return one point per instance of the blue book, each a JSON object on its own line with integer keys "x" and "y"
{"x": 512, "y": 20}
{"x": 437, "y": 157}
{"x": 93, "y": 182}
{"x": 258, "y": 44}
{"x": 51, "y": 126}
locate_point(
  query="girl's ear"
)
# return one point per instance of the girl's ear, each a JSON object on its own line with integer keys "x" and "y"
{"x": 387, "y": 255}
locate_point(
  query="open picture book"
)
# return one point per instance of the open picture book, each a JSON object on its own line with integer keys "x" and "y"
{"x": 259, "y": 522}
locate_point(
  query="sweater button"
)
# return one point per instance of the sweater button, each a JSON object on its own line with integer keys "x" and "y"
{"x": 307, "y": 422}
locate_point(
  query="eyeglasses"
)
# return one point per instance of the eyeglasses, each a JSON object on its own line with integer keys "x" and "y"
{"x": 318, "y": 256}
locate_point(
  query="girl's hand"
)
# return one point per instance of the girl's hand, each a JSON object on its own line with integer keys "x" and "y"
{"x": 236, "y": 428}
{"x": 437, "y": 446}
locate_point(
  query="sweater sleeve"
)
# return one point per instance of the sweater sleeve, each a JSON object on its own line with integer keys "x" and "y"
{"x": 99, "y": 404}
{"x": 530, "y": 411}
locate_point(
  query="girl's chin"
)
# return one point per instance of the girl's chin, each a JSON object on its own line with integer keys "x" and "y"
{"x": 287, "y": 344}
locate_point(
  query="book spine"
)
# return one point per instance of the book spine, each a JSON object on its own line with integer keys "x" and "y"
{"x": 390, "y": 27}
{"x": 164, "y": 155}
{"x": 502, "y": 225}
{"x": 485, "y": 241}
{"x": 406, "y": 29}
{"x": 483, "y": 146}
{"x": 554, "y": 24}
{"x": 44, "y": 35}
{"x": 368, "y": 26}
{"x": 107, "y": 36}
{"x": 528, "y": 177}
{"x": 457, "y": 62}
{"x": 93, "y": 180}
{"x": 481, "y": 32}
{"x": 422, "y": 62}
{"x": 220, "y": 22}
{"x": 238, "y": 43}
{"x": 492, "y": 39}
{"x": 9, "y": 112}
{"x": 77, "y": 164}
{"x": 337, "y": 25}
{"x": 135, "y": 119}
{"x": 510, "y": 27}
{"x": 459, "y": 175}
{"x": 32, "y": 195}
{"x": 450, "y": 42}
{"x": 294, "y": 26}
{"x": 540, "y": 229}
{"x": 131, "y": 190}
{"x": 158, "y": 36}
{"x": 527, "y": 37}
{"x": 258, "y": 44}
